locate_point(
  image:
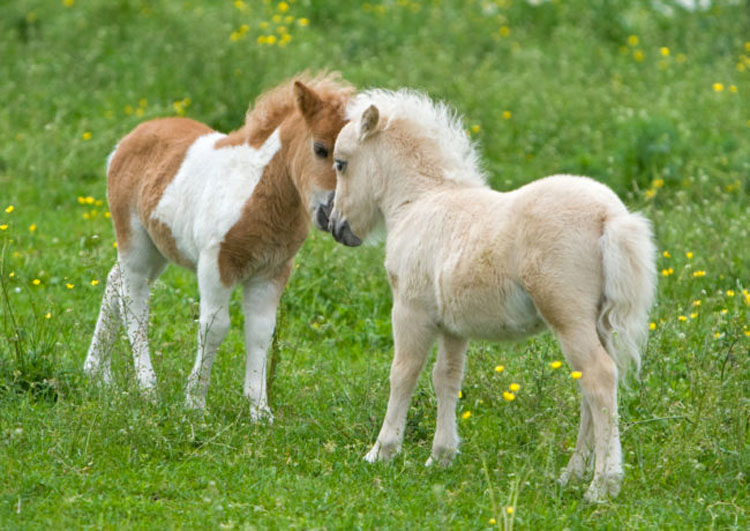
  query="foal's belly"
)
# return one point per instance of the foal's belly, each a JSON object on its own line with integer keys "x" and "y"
{"x": 491, "y": 312}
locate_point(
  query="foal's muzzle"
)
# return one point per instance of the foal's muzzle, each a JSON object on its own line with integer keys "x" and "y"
{"x": 323, "y": 213}
{"x": 342, "y": 233}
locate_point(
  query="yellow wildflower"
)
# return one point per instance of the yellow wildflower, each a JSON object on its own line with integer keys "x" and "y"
{"x": 732, "y": 88}
{"x": 32, "y": 227}
{"x": 475, "y": 128}
{"x": 514, "y": 387}
{"x": 86, "y": 135}
{"x": 730, "y": 293}
{"x": 460, "y": 394}
{"x": 12, "y": 274}
{"x": 717, "y": 335}
{"x": 724, "y": 311}
{"x": 499, "y": 368}
{"x": 114, "y": 244}
{"x": 4, "y": 226}
{"x": 638, "y": 55}
{"x": 466, "y": 415}
{"x": 699, "y": 273}
{"x": 666, "y": 254}
{"x": 493, "y": 521}
{"x": 283, "y": 7}
{"x": 652, "y": 326}
{"x": 718, "y": 87}
{"x": 556, "y": 364}
{"x": 681, "y": 318}
{"x": 664, "y": 51}
{"x": 697, "y": 302}
{"x": 94, "y": 282}
{"x": 508, "y": 396}
{"x": 689, "y": 255}
{"x": 303, "y": 22}
{"x": 89, "y": 200}
{"x": 657, "y": 183}
{"x": 36, "y": 281}
{"x": 633, "y": 40}
{"x": 747, "y": 333}
{"x": 271, "y": 39}
{"x": 69, "y": 285}
{"x": 276, "y": 19}
{"x": 69, "y": 3}
{"x": 507, "y": 115}
{"x": 694, "y": 315}
{"x": 576, "y": 375}
{"x": 509, "y": 509}
{"x": 48, "y": 315}
{"x": 9, "y": 209}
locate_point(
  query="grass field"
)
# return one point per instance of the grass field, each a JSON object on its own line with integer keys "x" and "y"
{"x": 655, "y": 104}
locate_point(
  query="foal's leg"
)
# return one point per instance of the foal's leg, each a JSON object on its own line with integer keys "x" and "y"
{"x": 260, "y": 298}
{"x": 97, "y": 362}
{"x": 212, "y": 328}
{"x": 585, "y": 353}
{"x": 581, "y": 457}
{"x": 413, "y": 336}
{"x": 446, "y": 377}
{"x": 140, "y": 265}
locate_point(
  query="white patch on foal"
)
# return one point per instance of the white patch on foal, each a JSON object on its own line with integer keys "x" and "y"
{"x": 213, "y": 185}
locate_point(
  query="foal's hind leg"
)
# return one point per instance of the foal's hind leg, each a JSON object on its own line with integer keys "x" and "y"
{"x": 212, "y": 328}
{"x": 446, "y": 377}
{"x": 97, "y": 362}
{"x": 140, "y": 265}
{"x": 581, "y": 458}
{"x": 586, "y": 354}
{"x": 413, "y": 336}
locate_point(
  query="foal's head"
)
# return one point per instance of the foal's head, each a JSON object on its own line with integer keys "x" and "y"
{"x": 321, "y": 106}
{"x": 396, "y": 146}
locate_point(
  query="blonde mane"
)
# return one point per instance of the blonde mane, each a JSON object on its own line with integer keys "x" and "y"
{"x": 433, "y": 121}
{"x": 272, "y": 106}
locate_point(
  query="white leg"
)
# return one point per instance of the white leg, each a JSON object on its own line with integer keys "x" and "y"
{"x": 97, "y": 362}
{"x": 212, "y": 328}
{"x": 260, "y": 299}
{"x": 581, "y": 458}
{"x": 446, "y": 377}
{"x": 413, "y": 336}
{"x": 599, "y": 388}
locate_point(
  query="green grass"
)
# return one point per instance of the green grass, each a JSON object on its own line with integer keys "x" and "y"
{"x": 579, "y": 100}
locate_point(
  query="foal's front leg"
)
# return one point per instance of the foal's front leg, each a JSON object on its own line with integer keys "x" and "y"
{"x": 212, "y": 328}
{"x": 446, "y": 377}
{"x": 260, "y": 299}
{"x": 413, "y": 335}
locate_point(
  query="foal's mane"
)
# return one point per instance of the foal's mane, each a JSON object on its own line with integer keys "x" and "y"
{"x": 432, "y": 122}
{"x": 272, "y": 106}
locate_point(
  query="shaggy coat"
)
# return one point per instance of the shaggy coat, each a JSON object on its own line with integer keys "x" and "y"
{"x": 233, "y": 208}
{"x": 465, "y": 261}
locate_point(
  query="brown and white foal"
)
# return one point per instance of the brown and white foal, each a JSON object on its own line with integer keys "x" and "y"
{"x": 233, "y": 208}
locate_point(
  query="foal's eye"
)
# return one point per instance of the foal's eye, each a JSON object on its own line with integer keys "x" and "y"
{"x": 320, "y": 150}
{"x": 340, "y": 165}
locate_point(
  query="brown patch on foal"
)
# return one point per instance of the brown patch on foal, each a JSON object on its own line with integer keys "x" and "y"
{"x": 275, "y": 220}
{"x": 144, "y": 164}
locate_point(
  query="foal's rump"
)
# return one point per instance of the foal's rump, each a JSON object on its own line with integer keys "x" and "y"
{"x": 139, "y": 170}
{"x": 586, "y": 256}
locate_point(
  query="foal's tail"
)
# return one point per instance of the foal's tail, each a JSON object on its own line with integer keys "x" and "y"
{"x": 628, "y": 256}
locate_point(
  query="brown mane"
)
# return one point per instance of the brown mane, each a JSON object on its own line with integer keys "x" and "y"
{"x": 272, "y": 106}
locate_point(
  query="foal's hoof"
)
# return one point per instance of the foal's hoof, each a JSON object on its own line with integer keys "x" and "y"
{"x": 195, "y": 403}
{"x": 603, "y": 488}
{"x": 261, "y": 414}
{"x": 443, "y": 457}
{"x": 381, "y": 452}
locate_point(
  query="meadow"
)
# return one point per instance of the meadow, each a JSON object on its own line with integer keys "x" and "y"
{"x": 647, "y": 97}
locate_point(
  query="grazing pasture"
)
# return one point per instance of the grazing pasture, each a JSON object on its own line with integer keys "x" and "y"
{"x": 647, "y": 97}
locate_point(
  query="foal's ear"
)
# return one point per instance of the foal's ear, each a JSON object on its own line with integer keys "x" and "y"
{"x": 369, "y": 122}
{"x": 308, "y": 101}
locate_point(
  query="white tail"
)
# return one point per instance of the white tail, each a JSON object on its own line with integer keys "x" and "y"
{"x": 628, "y": 257}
